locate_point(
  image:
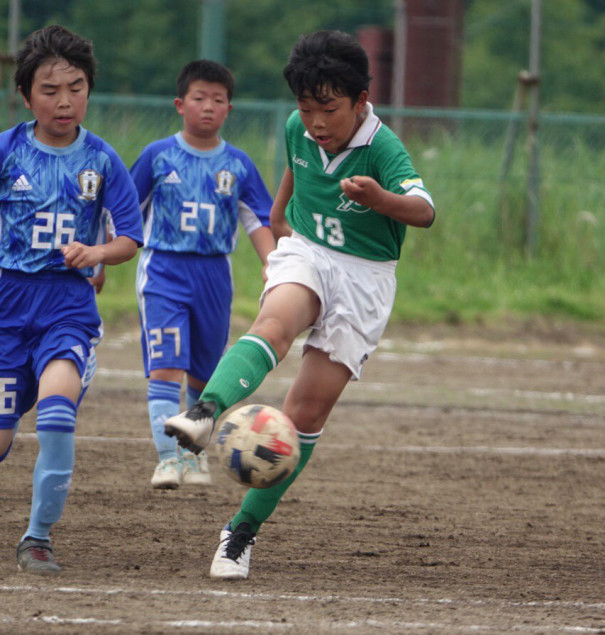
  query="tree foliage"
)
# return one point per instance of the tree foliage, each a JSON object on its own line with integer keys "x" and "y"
{"x": 572, "y": 47}
{"x": 141, "y": 45}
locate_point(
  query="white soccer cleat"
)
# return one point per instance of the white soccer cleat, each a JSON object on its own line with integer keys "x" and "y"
{"x": 194, "y": 427}
{"x": 194, "y": 469}
{"x": 232, "y": 558}
{"x": 167, "y": 474}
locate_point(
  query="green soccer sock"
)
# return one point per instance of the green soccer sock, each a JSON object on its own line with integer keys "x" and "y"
{"x": 240, "y": 372}
{"x": 259, "y": 504}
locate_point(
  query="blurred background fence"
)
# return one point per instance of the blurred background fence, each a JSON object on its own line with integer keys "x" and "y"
{"x": 480, "y": 192}
{"x": 451, "y": 147}
{"x": 446, "y": 77}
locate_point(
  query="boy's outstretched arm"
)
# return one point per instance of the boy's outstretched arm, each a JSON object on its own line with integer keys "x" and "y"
{"x": 120, "y": 249}
{"x": 279, "y": 224}
{"x": 411, "y": 210}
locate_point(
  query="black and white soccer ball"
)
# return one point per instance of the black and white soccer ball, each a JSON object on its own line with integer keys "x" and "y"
{"x": 258, "y": 446}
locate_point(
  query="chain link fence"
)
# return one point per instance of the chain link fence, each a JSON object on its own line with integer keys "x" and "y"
{"x": 474, "y": 162}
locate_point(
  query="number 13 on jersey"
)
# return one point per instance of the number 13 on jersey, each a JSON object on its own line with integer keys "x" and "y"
{"x": 329, "y": 229}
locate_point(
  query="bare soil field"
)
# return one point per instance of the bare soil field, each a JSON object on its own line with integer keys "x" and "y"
{"x": 459, "y": 487}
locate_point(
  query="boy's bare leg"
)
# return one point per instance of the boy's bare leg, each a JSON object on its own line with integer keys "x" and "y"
{"x": 287, "y": 311}
{"x": 309, "y": 401}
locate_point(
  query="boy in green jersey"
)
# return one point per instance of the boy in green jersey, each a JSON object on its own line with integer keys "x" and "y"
{"x": 340, "y": 215}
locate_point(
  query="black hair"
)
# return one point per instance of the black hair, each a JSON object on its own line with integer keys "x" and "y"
{"x": 53, "y": 42}
{"x": 207, "y": 71}
{"x": 327, "y": 60}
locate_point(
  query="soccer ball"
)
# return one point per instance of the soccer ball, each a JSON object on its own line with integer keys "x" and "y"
{"x": 258, "y": 446}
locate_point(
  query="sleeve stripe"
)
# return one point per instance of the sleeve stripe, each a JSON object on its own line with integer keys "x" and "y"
{"x": 416, "y": 191}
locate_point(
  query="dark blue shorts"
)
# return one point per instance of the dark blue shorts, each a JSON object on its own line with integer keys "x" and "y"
{"x": 43, "y": 316}
{"x": 185, "y": 308}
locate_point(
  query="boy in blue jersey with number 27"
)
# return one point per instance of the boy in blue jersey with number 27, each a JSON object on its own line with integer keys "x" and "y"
{"x": 193, "y": 187}
{"x": 58, "y": 182}
{"x": 341, "y": 213}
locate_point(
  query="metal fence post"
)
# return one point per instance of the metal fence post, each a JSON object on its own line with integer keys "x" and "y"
{"x": 533, "y": 177}
{"x": 281, "y": 116}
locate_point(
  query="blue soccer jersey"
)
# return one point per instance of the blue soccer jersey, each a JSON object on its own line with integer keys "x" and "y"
{"x": 192, "y": 199}
{"x": 53, "y": 196}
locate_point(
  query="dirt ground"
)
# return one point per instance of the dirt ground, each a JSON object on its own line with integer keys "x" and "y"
{"x": 458, "y": 488}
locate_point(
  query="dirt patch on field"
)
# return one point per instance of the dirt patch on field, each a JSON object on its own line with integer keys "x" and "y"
{"x": 458, "y": 487}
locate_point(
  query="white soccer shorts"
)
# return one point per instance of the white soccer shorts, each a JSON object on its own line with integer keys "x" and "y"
{"x": 356, "y": 296}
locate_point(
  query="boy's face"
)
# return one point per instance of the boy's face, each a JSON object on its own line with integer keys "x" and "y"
{"x": 333, "y": 122}
{"x": 59, "y": 96}
{"x": 204, "y": 109}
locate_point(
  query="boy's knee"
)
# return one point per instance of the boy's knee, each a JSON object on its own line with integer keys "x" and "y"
{"x": 308, "y": 416}
{"x": 274, "y": 331}
{"x": 6, "y": 442}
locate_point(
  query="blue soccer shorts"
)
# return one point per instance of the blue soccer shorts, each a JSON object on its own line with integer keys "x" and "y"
{"x": 43, "y": 316}
{"x": 185, "y": 308}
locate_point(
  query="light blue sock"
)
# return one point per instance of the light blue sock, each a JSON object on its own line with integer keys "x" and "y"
{"x": 163, "y": 400}
{"x": 193, "y": 396}
{"x": 56, "y": 426}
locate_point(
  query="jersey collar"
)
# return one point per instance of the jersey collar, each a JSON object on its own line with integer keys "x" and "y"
{"x": 363, "y": 137}
{"x": 368, "y": 129}
{"x": 29, "y": 131}
{"x": 199, "y": 153}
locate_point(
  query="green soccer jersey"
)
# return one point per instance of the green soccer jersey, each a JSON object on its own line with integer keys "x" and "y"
{"x": 320, "y": 210}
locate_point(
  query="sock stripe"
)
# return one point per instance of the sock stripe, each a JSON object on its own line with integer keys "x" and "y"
{"x": 265, "y": 346}
{"x": 56, "y": 401}
{"x": 54, "y": 427}
{"x": 165, "y": 390}
{"x": 63, "y": 411}
{"x": 56, "y": 414}
{"x": 309, "y": 439}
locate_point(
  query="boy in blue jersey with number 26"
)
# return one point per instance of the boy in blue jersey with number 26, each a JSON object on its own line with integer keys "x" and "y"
{"x": 193, "y": 187}
{"x": 58, "y": 184}
{"x": 341, "y": 212}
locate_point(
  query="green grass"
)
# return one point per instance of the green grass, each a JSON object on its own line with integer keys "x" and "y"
{"x": 472, "y": 265}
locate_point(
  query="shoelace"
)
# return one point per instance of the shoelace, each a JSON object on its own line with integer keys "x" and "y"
{"x": 202, "y": 410}
{"x": 237, "y": 544}
{"x": 191, "y": 463}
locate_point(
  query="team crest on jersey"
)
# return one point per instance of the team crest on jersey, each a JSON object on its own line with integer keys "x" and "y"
{"x": 347, "y": 205}
{"x": 224, "y": 182}
{"x": 90, "y": 184}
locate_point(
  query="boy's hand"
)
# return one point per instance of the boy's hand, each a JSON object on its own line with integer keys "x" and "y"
{"x": 98, "y": 281}
{"x": 363, "y": 190}
{"x": 78, "y": 256}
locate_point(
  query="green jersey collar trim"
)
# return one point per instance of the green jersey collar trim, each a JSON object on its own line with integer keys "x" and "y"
{"x": 368, "y": 129}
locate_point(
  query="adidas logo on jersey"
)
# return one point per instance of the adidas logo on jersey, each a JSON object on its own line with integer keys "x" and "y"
{"x": 173, "y": 177}
{"x": 21, "y": 184}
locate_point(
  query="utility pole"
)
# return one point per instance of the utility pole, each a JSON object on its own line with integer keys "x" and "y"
{"x": 399, "y": 46}
{"x": 533, "y": 177}
{"x": 212, "y": 30}
{"x": 14, "y": 21}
